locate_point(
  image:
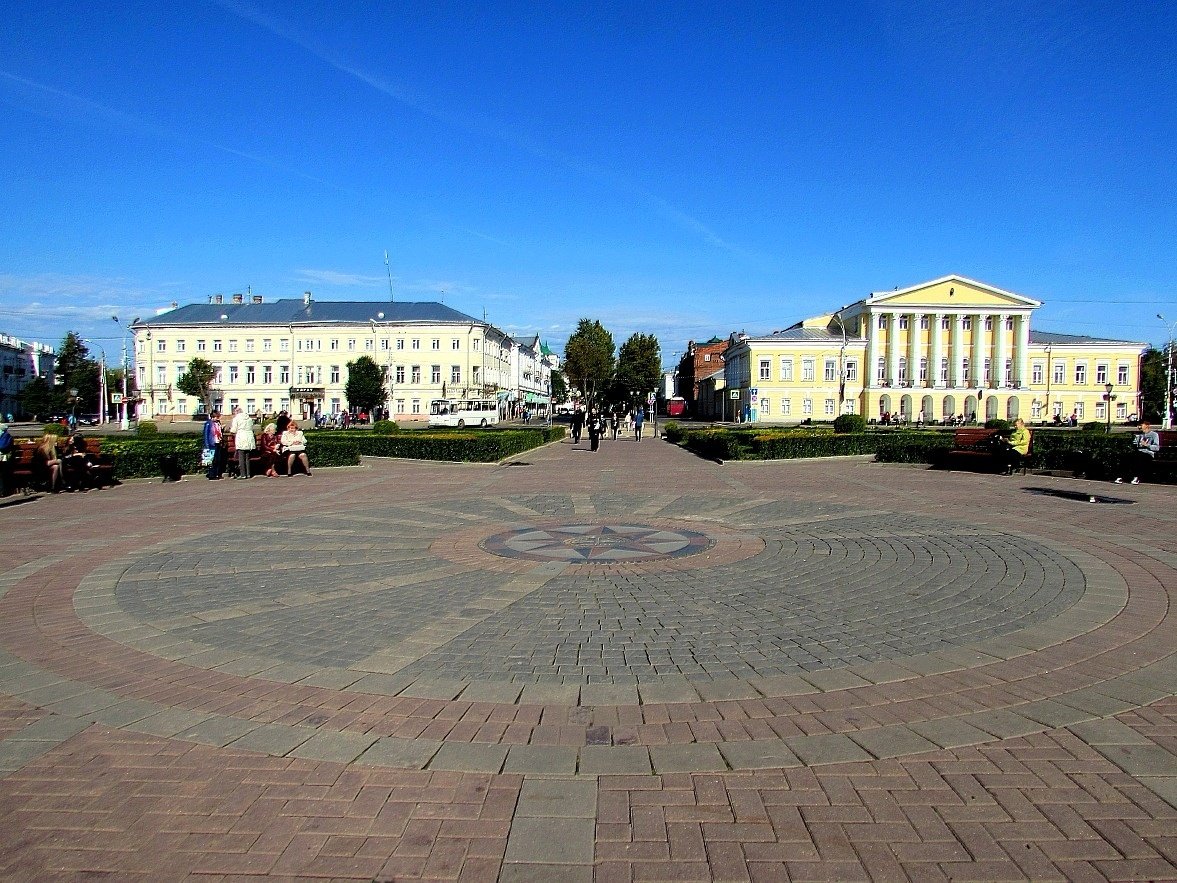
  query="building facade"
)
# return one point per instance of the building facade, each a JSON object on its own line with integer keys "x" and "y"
{"x": 699, "y": 362}
{"x": 292, "y": 355}
{"x": 20, "y": 362}
{"x": 952, "y": 348}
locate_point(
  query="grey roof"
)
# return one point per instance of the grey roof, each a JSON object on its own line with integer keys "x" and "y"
{"x": 292, "y": 311}
{"x": 795, "y": 333}
{"x": 1045, "y": 337}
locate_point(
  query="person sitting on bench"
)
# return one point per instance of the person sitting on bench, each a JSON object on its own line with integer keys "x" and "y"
{"x": 1144, "y": 451}
{"x": 1015, "y": 448}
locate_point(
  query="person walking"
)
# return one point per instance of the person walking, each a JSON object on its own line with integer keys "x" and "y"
{"x": 243, "y": 439}
{"x": 577, "y": 424}
{"x": 594, "y": 430}
{"x": 639, "y": 417}
{"x": 209, "y": 456}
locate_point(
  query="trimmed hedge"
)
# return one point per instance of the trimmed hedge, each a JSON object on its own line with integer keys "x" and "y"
{"x": 1094, "y": 454}
{"x": 139, "y": 457}
{"x": 849, "y": 423}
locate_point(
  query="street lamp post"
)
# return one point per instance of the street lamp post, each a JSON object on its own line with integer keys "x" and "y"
{"x": 841, "y": 364}
{"x": 1167, "y": 417}
{"x": 1109, "y": 398}
{"x": 101, "y": 383}
{"x": 124, "y": 425}
{"x": 384, "y": 377}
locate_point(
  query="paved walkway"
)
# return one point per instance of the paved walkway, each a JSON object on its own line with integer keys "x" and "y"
{"x": 624, "y": 665}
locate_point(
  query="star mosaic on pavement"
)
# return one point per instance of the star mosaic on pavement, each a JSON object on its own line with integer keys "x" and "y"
{"x": 597, "y": 543}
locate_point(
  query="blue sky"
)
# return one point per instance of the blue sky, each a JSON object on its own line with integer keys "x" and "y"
{"x": 681, "y": 169}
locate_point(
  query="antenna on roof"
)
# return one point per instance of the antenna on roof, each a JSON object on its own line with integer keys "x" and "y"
{"x": 391, "y": 299}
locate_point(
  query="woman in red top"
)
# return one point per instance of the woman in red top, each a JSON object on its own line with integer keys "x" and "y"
{"x": 268, "y": 444}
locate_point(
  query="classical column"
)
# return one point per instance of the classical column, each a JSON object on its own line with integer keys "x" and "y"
{"x": 1022, "y": 351}
{"x": 913, "y": 349}
{"x": 956, "y": 377}
{"x": 892, "y": 348}
{"x": 1000, "y": 350}
{"x": 870, "y": 326}
{"x": 937, "y": 350}
{"x": 977, "y": 366}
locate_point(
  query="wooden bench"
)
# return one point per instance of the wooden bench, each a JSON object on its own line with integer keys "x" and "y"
{"x": 100, "y": 466}
{"x": 22, "y": 468}
{"x": 26, "y": 474}
{"x": 1168, "y": 451}
{"x": 257, "y": 460}
{"x": 1165, "y": 459}
{"x": 979, "y": 447}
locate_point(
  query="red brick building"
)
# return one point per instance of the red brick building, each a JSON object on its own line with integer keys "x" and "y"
{"x": 700, "y": 361}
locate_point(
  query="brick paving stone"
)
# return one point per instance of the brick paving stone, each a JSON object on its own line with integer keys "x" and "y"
{"x": 550, "y": 840}
{"x": 541, "y": 759}
{"x": 469, "y": 758}
{"x": 601, "y": 760}
{"x": 948, "y": 622}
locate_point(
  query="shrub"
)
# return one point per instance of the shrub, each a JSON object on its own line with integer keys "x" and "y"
{"x": 673, "y": 431}
{"x": 1094, "y": 426}
{"x": 849, "y": 423}
{"x": 138, "y": 457}
{"x": 54, "y": 429}
{"x": 913, "y": 447}
{"x": 998, "y": 423}
{"x": 385, "y": 427}
{"x": 146, "y": 427}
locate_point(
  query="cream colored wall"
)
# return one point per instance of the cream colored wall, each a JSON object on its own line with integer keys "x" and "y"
{"x": 310, "y": 348}
{"x": 870, "y": 402}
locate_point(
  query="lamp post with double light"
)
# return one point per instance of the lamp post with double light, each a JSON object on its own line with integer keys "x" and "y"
{"x": 101, "y": 382}
{"x": 124, "y": 424}
{"x": 1167, "y": 417}
{"x": 386, "y": 383}
{"x": 1108, "y": 399}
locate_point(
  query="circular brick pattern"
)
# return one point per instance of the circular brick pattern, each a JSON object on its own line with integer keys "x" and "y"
{"x": 630, "y": 601}
{"x": 597, "y": 543}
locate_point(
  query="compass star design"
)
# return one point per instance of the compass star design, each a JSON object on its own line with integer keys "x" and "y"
{"x": 596, "y": 543}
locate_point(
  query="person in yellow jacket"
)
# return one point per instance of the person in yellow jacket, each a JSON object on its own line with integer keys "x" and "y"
{"x": 1017, "y": 447}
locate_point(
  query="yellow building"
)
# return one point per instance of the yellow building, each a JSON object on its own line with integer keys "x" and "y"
{"x": 292, "y": 355}
{"x": 941, "y": 350}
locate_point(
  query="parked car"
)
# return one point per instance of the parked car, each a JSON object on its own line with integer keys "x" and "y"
{"x": 88, "y": 420}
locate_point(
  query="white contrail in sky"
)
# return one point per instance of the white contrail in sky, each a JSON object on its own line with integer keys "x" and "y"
{"x": 480, "y": 124}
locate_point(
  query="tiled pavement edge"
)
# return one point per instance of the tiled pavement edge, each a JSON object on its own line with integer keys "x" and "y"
{"x": 1042, "y": 751}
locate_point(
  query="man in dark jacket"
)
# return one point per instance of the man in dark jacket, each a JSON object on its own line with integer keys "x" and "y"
{"x": 577, "y": 425}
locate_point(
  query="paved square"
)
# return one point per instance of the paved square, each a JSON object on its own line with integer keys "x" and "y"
{"x": 624, "y": 665}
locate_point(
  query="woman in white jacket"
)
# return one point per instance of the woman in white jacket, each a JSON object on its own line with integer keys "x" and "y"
{"x": 243, "y": 439}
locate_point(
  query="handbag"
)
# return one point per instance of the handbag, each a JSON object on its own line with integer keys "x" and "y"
{"x": 207, "y": 456}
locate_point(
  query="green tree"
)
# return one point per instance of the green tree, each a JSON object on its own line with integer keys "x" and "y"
{"x": 559, "y": 387}
{"x": 197, "y": 381}
{"x": 588, "y": 360}
{"x": 639, "y": 368}
{"x": 1152, "y": 384}
{"x": 39, "y": 399}
{"x": 74, "y": 369}
{"x": 365, "y": 384}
